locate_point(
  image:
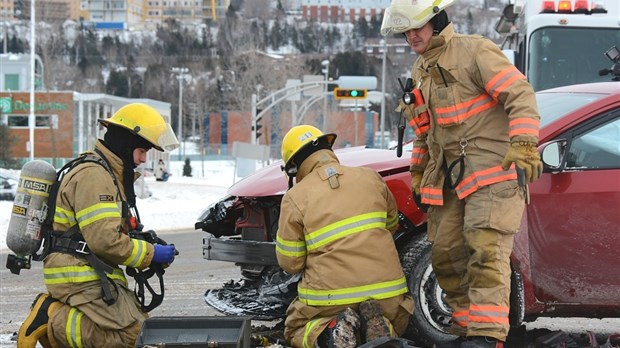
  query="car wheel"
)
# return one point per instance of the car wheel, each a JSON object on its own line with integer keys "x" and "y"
{"x": 430, "y": 321}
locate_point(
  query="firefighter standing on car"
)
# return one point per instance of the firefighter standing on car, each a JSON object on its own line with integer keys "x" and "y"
{"x": 93, "y": 215}
{"x": 474, "y": 154}
{"x": 335, "y": 228}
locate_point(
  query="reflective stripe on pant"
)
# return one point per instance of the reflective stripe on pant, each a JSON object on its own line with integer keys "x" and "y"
{"x": 473, "y": 240}
{"x": 71, "y": 328}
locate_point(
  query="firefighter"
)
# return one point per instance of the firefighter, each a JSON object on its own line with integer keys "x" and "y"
{"x": 471, "y": 162}
{"x": 335, "y": 228}
{"x": 95, "y": 209}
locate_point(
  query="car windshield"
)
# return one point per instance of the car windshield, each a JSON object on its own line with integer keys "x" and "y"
{"x": 553, "y": 106}
{"x": 560, "y": 56}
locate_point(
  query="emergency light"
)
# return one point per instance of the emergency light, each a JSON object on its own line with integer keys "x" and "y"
{"x": 573, "y": 6}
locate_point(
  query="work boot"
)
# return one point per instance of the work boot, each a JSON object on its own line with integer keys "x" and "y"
{"x": 34, "y": 328}
{"x": 374, "y": 324}
{"x": 455, "y": 343}
{"x": 482, "y": 342}
{"x": 341, "y": 332}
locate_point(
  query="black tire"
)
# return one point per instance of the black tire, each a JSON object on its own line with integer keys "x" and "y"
{"x": 430, "y": 321}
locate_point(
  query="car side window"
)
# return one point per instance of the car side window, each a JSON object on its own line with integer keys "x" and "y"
{"x": 598, "y": 148}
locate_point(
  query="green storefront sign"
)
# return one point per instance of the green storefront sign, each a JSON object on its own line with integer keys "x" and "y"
{"x": 6, "y": 106}
{"x": 19, "y": 105}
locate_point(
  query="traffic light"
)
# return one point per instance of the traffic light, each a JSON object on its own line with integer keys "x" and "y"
{"x": 341, "y": 93}
{"x": 256, "y": 126}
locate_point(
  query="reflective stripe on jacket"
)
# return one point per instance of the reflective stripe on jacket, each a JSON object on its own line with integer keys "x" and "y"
{"x": 87, "y": 197}
{"x": 339, "y": 237}
{"x": 478, "y": 102}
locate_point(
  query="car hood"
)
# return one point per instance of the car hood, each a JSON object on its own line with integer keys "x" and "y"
{"x": 271, "y": 180}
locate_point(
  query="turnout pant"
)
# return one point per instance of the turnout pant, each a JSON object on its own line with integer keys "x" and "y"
{"x": 472, "y": 242}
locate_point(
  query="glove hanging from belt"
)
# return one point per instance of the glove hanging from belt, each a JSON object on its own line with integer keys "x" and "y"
{"x": 526, "y": 159}
{"x": 416, "y": 180}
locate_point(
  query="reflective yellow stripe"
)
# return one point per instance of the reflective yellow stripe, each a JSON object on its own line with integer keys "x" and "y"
{"x": 97, "y": 212}
{"x": 65, "y": 217}
{"x": 77, "y": 274}
{"x": 427, "y": 10}
{"x": 392, "y": 222}
{"x": 73, "y": 330}
{"x": 137, "y": 253}
{"x": 344, "y": 228}
{"x": 290, "y": 248}
{"x": 309, "y": 327}
{"x": 356, "y": 294}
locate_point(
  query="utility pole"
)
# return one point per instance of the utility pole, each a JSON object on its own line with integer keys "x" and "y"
{"x": 31, "y": 117}
{"x": 181, "y": 75}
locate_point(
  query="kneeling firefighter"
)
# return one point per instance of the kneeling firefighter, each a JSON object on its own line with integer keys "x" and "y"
{"x": 335, "y": 228}
{"x": 96, "y": 228}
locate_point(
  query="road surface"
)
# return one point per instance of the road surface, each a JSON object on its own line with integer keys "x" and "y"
{"x": 190, "y": 275}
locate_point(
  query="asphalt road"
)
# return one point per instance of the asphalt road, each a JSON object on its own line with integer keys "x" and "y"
{"x": 190, "y": 275}
{"x": 185, "y": 283}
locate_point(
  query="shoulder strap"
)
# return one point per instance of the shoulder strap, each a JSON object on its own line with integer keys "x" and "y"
{"x": 47, "y": 225}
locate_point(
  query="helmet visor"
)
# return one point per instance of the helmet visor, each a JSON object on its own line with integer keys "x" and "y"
{"x": 161, "y": 136}
{"x": 407, "y": 15}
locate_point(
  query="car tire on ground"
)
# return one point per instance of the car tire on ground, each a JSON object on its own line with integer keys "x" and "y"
{"x": 430, "y": 321}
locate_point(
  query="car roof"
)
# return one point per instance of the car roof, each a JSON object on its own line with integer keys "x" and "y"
{"x": 610, "y": 100}
{"x": 598, "y": 87}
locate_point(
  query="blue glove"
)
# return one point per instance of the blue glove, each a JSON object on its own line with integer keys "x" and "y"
{"x": 163, "y": 254}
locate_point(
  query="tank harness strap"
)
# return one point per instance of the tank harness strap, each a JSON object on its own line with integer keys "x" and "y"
{"x": 72, "y": 242}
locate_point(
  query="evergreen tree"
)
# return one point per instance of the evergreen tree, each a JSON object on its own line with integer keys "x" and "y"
{"x": 117, "y": 84}
{"x": 187, "y": 168}
{"x": 276, "y": 37}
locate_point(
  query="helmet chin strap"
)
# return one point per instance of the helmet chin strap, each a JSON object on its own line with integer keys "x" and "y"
{"x": 291, "y": 173}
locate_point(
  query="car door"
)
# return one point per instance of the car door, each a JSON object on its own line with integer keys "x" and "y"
{"x": 574, "y": 218}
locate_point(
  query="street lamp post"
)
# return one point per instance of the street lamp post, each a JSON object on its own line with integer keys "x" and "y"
{"x": 325, "y": 71}
{"x": 181, "y": 75}
{"x": 382, "y": 118}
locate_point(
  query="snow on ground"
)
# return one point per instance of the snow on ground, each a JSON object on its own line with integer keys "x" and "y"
{"x": 175, "y": 204}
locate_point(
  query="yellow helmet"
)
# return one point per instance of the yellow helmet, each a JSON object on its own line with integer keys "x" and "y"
{"x": 298, "y": 137}
{"x": 146, "y": 122}
{"x": 404, "y": 15}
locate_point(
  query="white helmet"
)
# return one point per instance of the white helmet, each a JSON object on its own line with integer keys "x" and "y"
{"x": 403, "y": 15}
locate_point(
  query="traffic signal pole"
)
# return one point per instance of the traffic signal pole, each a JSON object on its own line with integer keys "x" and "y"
{"x": 260, "y": 107}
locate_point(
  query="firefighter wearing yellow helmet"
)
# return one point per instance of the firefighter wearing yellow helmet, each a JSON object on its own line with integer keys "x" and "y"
{"x": 476, "y": 131}
{"x": 333, "y": 223}
{"x": 89, "y": 302}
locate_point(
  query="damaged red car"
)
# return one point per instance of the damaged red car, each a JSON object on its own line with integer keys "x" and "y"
{"x": 565, "y": 259}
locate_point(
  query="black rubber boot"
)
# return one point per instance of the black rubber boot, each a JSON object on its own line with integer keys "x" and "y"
{"x": 482, "y": 342}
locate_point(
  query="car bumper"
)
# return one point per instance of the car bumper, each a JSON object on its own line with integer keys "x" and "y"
{"x": 239, "y": 251}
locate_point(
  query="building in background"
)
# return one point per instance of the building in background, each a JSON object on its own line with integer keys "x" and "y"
{"x": 214, "y": 10}
{"x": 15, "y": 72}
{"x": 65, "y": 121}
{"x": 339, "y": 11}
{"x": 46, "y": 10}
{"x": 7, "y": 10}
